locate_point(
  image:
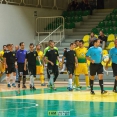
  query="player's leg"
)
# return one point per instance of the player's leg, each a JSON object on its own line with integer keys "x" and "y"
{"x": 93, "y": 69}
{"x": 20, "y": 74}
{"x": 100, "y": 76}
{"x": 85, "y": 71}
{"x": 8, "y": 72}
{"x": 41, "y": 73}
{"x": 24, "y": 76}
{"x": 14, "y": 77}
{"x": 114, "y": 68}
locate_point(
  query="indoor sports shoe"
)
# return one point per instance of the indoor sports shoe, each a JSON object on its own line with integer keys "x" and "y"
{"x": 24, "y": 86}
{"x": 8, "y": 85}
{"x": 78, "y": 88}
{"x": 33, "y": 88}
{"x": 88, "y": 88}
{"x": 43, "y": 84}
{"x": 70, "y": 89}
{"x": 92, "y": 93}
{"x": 13, "y": 85}
{"x": 103, "y": 92}
{"x": 74, "y": 87}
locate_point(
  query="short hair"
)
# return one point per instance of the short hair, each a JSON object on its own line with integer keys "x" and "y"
{"x": 95, "y": 40}
{"x": 21, "y": 43}
{"x": 71, "y": 44}
{"x": 102, "y": 31}
{"x": 38, "y": 44}
{"x": 31, "y": 44}
{"x": 4, "y": 46}
{"x": 81, "y": 41}
{"x": 76, "y": 41}
{"x": 9, "y": 45}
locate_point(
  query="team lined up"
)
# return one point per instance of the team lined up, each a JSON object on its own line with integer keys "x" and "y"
{"x": 76, "y": 63}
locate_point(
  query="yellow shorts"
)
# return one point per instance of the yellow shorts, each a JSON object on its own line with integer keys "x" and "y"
{"x": 39, "y": 69}
{"x": 81, "y": 69}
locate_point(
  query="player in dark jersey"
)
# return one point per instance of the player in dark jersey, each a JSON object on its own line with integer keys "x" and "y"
{"x": 31, "y": 57}
{"x": 21, "y": 55}
{"x": 71, "y": 61}
{"x": 9, "y": 62}
{"x": 51, "y": 57}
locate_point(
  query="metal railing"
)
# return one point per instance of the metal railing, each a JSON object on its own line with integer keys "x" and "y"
{"x": 58, "y": 4}
{"x": 31, "y": 2}
{"x": 52, "y": 27}
{"x": 13, "y": 1}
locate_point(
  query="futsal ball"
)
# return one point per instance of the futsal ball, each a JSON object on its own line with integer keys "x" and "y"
{"x": 105, "y": 58}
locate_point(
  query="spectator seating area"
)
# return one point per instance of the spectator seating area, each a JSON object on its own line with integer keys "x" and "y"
{"x": 72, "y": 17}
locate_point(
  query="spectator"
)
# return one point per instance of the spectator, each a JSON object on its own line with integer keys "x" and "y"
{"x": 91, "y": 39}
{"x": 103, "y": 39}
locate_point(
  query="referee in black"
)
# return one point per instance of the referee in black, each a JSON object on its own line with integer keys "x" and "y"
{"x": 113, "y": 57}
{"x": 31, "y": 57}
{"x": 51, "y": 57}
{"x": 9, "y": 62}
{"x": 94, "y": 55}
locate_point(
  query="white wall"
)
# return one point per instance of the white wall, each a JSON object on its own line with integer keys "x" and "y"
{"x": 17, "y": 23}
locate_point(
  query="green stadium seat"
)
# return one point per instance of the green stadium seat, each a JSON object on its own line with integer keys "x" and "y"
{"x": 66, "y": 26}
{"x": 114, "y": 18}
{"x": 95, "y": 31}
{"x": 65, "y": 13}
{"x": 71, "y": 25}
{"x": 110, "y": 31}
{"x": 108, "y": 18}
{"x": 85, "y": 13}
{"x": 116, "y": 31}
{"x": 109, "y": 24}
{"x": 78, "y": 13}
{"x": 66, "y": 19}
{"x": 115, "y": 24}
{"x": 72, "y": 19}
{"x": 72, "y": 13}
{"x": 114, "y": 11}
{"x": 101, "y": 24}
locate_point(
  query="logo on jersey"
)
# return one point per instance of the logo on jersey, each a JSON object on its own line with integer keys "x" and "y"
{"x": 55, "y": 52}
{"x": 34, "y": 54}
{"x": 13, "y": 54}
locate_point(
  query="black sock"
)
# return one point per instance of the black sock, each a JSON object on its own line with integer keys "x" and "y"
{"x": 101, "y": 84}
{"x": 91, "y": 84}
{"x": 24, "y": 80}
{"x": 115, "y": 84}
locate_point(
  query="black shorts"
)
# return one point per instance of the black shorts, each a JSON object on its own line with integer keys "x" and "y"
{"x": 114, "y": 68}
{"x": 10, "y": 68}
{"x": 52, "y": 69}
{"x": 32, "y": 70}
{"x": 70, "y": 68}
{"x": 21, "y": 69}
{"x": 96, "y": 68}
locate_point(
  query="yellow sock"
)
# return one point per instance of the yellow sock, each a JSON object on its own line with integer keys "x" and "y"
{"x": 74, "y": 83}
{"x": 77, "y": 81}
{"x": 42, "y": 79}
{"x": 87, "y": 80}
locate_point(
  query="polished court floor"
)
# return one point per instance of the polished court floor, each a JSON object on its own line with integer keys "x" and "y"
{"x": 48, "y": 103}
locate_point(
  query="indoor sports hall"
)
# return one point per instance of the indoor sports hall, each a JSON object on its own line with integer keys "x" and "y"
{"x": 38, "y": 23}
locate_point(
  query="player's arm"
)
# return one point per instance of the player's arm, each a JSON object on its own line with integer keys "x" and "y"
{"x": 25, "y": 63}
{"x": 76, "y": 60}
{"x": 4, "y": 60}
{"x": 106, "y": 67}
{"x": 46, "y": 60}
{"x": 88, "y": 56}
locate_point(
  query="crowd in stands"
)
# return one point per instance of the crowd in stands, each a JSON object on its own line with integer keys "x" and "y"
{"x": 83, "y": 5}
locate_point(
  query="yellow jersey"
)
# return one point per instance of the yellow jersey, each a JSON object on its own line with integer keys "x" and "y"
{"x": 81, "y": 54}
{"x": 40, "y": 55}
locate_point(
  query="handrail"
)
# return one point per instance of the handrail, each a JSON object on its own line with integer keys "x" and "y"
{"x": 50, "y": 35}
{"x": 13, "y": 1}
{"x": 29, "y": 3}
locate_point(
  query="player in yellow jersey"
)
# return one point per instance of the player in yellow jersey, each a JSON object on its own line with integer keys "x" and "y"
{"x": 40, "y": 65}
{"x": 77, "y": 46}
{"x": 82, "y": 65}
{"x": 2, "y": 67}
